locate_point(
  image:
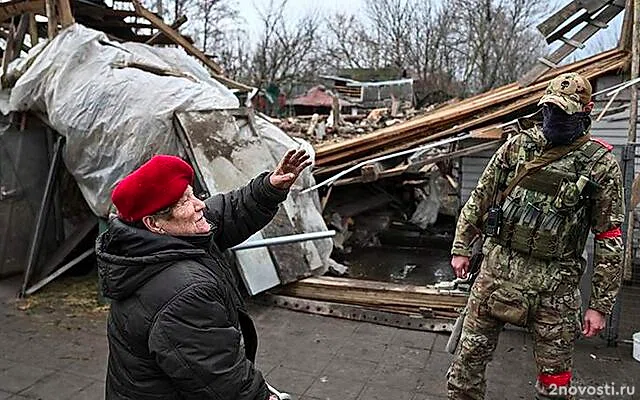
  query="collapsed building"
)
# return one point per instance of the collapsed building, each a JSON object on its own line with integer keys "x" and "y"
{"x": 88, "y": 103}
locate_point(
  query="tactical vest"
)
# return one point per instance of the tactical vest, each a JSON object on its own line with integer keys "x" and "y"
{"x": 547, "y": 215}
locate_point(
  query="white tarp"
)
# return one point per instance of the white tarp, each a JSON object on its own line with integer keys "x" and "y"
{"x": 113, "y": 118}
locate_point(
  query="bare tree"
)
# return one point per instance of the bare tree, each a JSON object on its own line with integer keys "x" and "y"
{"x": 218, "y": 18}
{"x": 348, "y": 44}
{"x": 391, "y": 26}
{"x": 234, "y": 56}
{"x": 495, "y": 42}
{"x": 409, "y": 35}
{"x": 287, "y": 51}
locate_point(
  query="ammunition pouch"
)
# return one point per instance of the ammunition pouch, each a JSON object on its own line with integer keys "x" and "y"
{"x": 511, "y": 305}
{"x": 544, "y": 209}
{"x": 545, "y": 229}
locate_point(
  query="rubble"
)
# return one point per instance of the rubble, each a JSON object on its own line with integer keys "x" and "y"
{"x": 319, "y": 129}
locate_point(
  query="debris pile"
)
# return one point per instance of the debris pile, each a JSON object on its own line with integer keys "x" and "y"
{"x": 321, "y": 129}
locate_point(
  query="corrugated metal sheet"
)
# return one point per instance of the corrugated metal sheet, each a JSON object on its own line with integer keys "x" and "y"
{"x": 472, "y": 168}
{"x": 23, "y": 173}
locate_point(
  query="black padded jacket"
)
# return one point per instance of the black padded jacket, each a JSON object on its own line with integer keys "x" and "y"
{"x": 177, "y": 328}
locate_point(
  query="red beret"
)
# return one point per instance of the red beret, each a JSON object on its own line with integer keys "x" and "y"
{"x": 157, "y": 184}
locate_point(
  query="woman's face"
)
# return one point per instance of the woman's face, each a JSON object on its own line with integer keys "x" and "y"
{"x": 187, "y": 217}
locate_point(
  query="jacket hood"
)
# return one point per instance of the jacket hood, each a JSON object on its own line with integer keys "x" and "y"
{"x": 128, "y": 257}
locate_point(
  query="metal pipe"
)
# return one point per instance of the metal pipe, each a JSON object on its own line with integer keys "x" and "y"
{"x": 39, "y": 285}
{"x": 386, "y": 157}
{"x": 34, "y": 250}
{"x": 284, "y": 240}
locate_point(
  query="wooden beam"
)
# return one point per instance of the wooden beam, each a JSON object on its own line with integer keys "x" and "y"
{"x": 97, "y": 13}
{"x": 582, "y": 36}
{"x": 119, "y": 24}
{"x": 372, "y": 293}
{"x": 7, "y": 56}
{"x": 52, "y": 22}
{"x": 176, "y": 24}
{"x": 66, "y": 17}
{"x": 5, "y": 36}
{"x": 631, "y": 137}
{"x": 584, "y": 16}
{"x": 416, "y": 166}
{"x": 175, "y": 36}
{"x": 416, "y": 319}
{"x": 18, "y": 7}
{"x": 191, "y": 49}
{"x": 33, "y": 29}
{"x": 624, "y": 42}
{"x": 552, "y": 23}
{"x": 21, "y": 32}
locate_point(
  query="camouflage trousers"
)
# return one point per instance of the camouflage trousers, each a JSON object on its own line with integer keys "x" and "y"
{"x": 553, "y": 319}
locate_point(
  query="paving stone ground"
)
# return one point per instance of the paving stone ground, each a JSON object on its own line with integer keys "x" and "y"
{"x": 51, "y": 356}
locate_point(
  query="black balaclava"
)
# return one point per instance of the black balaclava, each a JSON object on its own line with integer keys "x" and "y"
{"x": 560, "y": 128}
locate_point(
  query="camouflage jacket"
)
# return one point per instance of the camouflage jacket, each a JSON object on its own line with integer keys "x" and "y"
{"x": 605, "y": 218}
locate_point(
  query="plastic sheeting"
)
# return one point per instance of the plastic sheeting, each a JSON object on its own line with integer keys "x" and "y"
{"x": 113, "y": 118}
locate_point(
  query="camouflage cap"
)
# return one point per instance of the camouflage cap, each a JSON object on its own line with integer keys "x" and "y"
{"x": 569, "y": 91}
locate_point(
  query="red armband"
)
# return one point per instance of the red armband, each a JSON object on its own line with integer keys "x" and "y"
{"x": 613, "y": 233}
{"x": 602, "y": 143}
{"x": 561, "y": 379}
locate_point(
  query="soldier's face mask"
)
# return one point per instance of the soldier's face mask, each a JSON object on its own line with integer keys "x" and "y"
{"x": 560, "y": 128}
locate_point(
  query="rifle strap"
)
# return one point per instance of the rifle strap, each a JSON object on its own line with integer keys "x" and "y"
{"x": 545, "y": 159}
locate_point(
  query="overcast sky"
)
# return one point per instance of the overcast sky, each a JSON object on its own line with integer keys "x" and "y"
{"x": 249, "y": 10}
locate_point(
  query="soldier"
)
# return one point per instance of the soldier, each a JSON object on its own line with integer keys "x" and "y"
{"x": 541, "y": 193}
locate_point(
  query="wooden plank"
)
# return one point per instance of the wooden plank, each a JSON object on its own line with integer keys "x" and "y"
{"x": 190, "y": 48}
{"x": 363, "y": 284}
{"x": 584, "y": 16}
{"x": 624, "y": 42}
{"x": 563, "y": 51}
{"x": 418, "y": 165}
{"x": 119, "y": 24}
{"x": 373, "y": 293}
{"x": 552, "y": 23}
{"x": 418, "y": 137}
{"x": 21, "y": 32}
{"x": 52, "y": 22}
{"x": 175, "y": 36}
{"x": 7, "y": 56}
{"x": 5, "y": 36}
{"x": 66, "y": 17}
{"x": 14, "y": 8}
{"x": 33, "y": 29}
{"x": 176, "y": 24}
{"x": 98, "y": 13}
{"x": 454, "y": 111}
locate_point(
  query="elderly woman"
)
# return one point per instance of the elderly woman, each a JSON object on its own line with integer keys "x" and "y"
{"x": 178, "y": 328}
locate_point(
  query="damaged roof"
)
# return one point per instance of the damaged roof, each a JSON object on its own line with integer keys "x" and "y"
{"x": 317, "y": 96}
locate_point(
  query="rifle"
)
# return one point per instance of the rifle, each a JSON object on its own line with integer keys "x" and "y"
{"x": 456, "y": 331}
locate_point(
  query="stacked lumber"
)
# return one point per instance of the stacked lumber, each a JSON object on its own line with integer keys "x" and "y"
{"x": 473, "y": 113}
{"x": 391, "y": 297}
